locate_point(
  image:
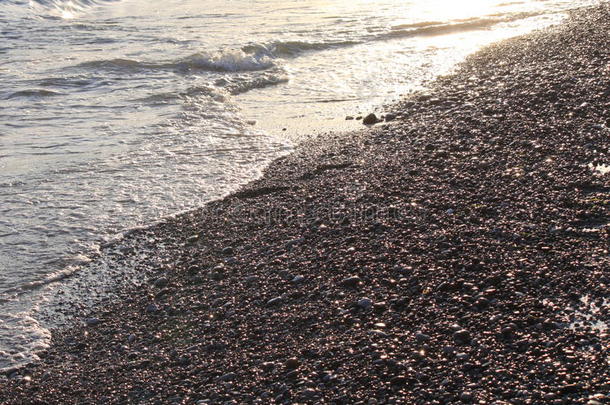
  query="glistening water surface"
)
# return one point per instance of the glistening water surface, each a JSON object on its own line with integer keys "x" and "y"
{"x": 114, "y": 114}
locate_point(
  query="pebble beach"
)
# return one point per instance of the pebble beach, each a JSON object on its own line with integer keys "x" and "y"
{"x": 456, "y": 251}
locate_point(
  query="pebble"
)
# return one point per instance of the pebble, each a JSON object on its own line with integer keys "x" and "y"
{"x": 92, "y": 321}
{"x": 161, "y": 282}
{"x": 227, "y": 377}
{"x": 151, "y": 308}
{"x": 365, "y": 303}
{"x": 292, "y": 363}
{"x": 298, "y": 279}
{"x": 352, "y": 281}
{"x": 274, "y": 301}
{"x": 461, "y": 337}
{"x": 422, "y": 337}
{"x": 390, "y": 117}
{"x": 370, "y": 119}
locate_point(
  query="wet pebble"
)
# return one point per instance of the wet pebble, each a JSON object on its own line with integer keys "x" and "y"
{"x": 365, "y": 303}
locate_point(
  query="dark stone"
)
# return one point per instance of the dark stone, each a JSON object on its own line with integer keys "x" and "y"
{"x": 462, "y": 337}
{"x": 370, "y": 119}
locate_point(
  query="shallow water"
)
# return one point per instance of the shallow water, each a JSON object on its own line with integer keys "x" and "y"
{"x": 117, "y": 113}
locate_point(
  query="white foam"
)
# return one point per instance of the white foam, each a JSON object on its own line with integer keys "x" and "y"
{"x": 27, "y": 338}
{"x": 233, "y": 60}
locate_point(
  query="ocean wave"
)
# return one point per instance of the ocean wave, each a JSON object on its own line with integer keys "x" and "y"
{"x": 221, "y": 89}
{"x": 220, "y": 61}
{"x": 228, "y": 61}
{"x": 439, "y": 28}
{"x": 289, "y": 49}
{"x": 66, "y": 9}
{"x": 242, "y": 85}
{"x": 33, "y": 93}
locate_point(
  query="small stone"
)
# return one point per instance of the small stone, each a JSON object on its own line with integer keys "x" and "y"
{"x": 571, "y": 388}
{"x": 192, "y": 239}
{"x": 390, "y": 117}
{"x": 349, "y": 118}
{"x": 92, "y": 321}
{"x": 448, "y": 350}
{"x": 370, "y": 119}
{"x": 292, "y": 363}
{"x": 422, "y": 337}
{"x": 216, "y": 275}
{"x": 274, "y": 301}
{"x": 268, "y": 366}
{"x": 365, "y": 303}
{"x": 353, "y": 281}
{"x": 461, "y": 337}
{"x": 161, "y": 282}
{"x": 462, "y": 356}
{"x": 131, "y": 338}
{"x": 379, "y": 333}
{"x": 151, "y": 308}
{"x": 298, "y": 279}
{"x": 228, "y": 251}
{"x": 309, "y": 393}
{"x": 292, "y": 374}
{"x": 227, "y": 377}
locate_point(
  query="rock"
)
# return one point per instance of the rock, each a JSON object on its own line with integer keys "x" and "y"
{"x": 309, "y": 393}
{"x": 217, "y": 275}
{"x": 92, "y": 321}
{"x": 192, "y": 239}
{"x": 268, "y": 366}
{"x": 571, "y": 388}
{"x": 294, "y": 243}
{"x": 390, "y": 117}
{"x": 227, "y": 377}
{"x": 131, "y": 338}
{"x": 161, "y": 282}
{"x": 379, "y": 333}
{"x": 298, "y": 279}
{"x": 421, "y": 337}
{"x": 292, "y": 363}
{"x": 274, "y": 301}
{"x": 462, "y": 356}
{"x": 370, "y": 119}
{"x": 353, "y": 281}
{"x": 228, "y": 251}
{"x": 152, "y": 308}
{"x": 349, "y": 118}
{"x": 365, "y": 303}
{"x": 462, "y": 337}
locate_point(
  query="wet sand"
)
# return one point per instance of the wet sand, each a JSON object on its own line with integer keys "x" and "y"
{"x": 457, "y": 253}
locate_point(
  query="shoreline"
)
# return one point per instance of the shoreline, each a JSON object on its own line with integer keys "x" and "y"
{"x": 432, "y": 258}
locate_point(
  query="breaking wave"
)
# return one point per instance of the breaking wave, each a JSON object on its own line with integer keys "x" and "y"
{"x": 439, "y": 28}
{"x": 220, "y": 61}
